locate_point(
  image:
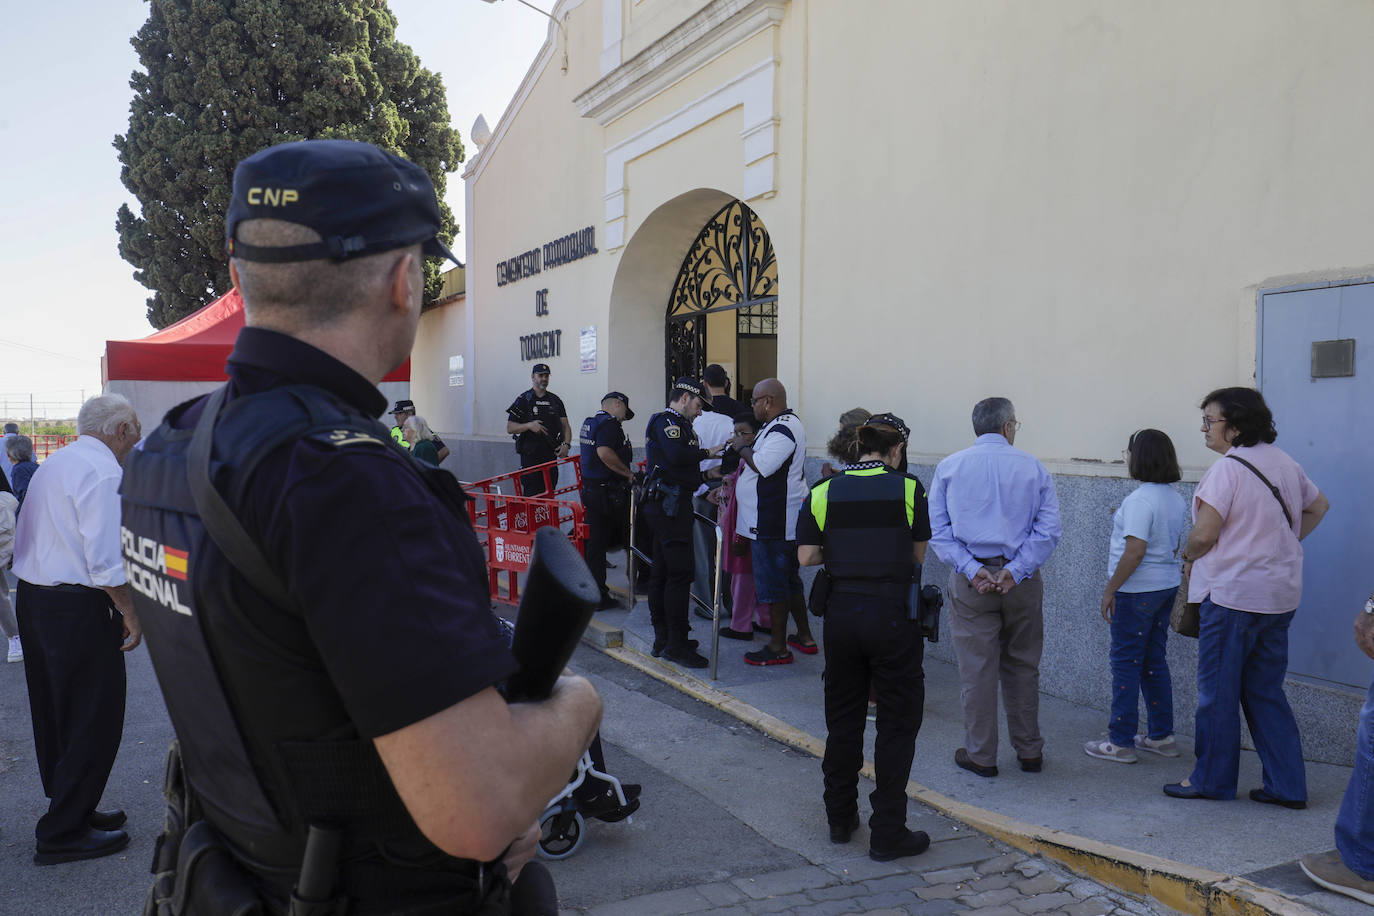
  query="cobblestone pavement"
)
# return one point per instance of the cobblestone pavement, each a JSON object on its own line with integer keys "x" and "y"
{"x": 964, "y": 872}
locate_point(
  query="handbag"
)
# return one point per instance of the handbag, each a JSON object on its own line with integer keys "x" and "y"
{"x": 1184, "y": 618}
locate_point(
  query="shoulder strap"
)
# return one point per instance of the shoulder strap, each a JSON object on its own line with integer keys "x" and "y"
{"x": 1272, "y": 489}
{"x": 219, "y": 520}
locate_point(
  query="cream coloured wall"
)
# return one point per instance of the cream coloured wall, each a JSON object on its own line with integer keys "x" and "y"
{"x": 442, "y": 334}
{"x": 648, "y": 20}
{"x": 1072, "y": 204}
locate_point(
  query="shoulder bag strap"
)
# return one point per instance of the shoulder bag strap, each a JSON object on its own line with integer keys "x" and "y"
{"x": 219, "y": 520}
{"x": 1272, "y": 489}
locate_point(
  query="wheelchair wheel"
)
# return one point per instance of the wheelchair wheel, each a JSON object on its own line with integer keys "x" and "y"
{"x": 560, "y": 833}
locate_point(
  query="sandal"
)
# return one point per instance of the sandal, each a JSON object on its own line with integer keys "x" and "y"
{"x": 795, "y": 642}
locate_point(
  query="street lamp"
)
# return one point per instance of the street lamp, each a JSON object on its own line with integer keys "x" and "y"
{"x": 548, "y": 16}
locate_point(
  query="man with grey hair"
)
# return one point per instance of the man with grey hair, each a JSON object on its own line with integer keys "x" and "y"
{"x": 76, "y": 617}
{"x": 11, "y": 430}
{"x": 994, "y": 518}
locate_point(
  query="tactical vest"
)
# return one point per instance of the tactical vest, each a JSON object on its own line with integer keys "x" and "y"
{"x": 593, "y": 468}
{"x": 865, "y": 517}
{"x": 260, "y": 795}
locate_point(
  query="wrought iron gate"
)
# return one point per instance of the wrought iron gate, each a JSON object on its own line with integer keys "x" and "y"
{"x": 730, "y": 267}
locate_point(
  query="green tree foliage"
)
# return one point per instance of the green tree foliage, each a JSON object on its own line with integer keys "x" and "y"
{"x": 223, "y": 79}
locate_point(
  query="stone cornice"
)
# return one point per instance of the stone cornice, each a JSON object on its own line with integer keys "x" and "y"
{"x": 702, "y": 37}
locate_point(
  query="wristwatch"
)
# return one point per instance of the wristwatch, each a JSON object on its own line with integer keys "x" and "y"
{"x": 1369, "y": 605}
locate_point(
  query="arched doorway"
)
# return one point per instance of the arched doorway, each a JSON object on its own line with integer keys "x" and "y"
{"x": 724, "y": 304}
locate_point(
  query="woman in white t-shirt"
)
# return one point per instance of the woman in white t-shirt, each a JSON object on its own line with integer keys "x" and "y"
{"x": 1144, "y": 569}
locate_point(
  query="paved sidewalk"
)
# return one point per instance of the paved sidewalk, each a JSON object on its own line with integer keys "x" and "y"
{"x": 966, "y": 874}
{"x": 1078, "y": 801}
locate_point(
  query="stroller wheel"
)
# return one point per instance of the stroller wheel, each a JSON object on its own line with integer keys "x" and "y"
{"x": 560, "y": 833}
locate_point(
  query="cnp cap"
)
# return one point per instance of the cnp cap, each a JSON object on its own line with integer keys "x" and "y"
{"x": 539, "y": 367}
{"x": 361, "y": 199}
{"x": 692, "y": 386}
{"x": 629, "y": 414}
{"x": 889, "y": 419}
{"x": 403, "y": 406}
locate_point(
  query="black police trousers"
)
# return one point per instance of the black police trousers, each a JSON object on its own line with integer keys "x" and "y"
{"x": 606, "y": 526}
{"x": 672, "y": 575}
{"x": 870, "y": 642}
{"x": 533, "y": 484}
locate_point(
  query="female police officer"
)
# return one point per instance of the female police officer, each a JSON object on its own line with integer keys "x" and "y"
{"x": 869, "y": 525}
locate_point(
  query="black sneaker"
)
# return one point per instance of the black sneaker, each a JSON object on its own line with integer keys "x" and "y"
{"x": 913, "y": 844}
{"x": 609, "y": 603}
{"x": 686, "y": 656}
{"x": 767, "y": 656}
{"x": 605, "y": 806}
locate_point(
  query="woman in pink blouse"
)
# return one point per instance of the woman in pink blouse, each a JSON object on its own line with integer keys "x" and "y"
{"x": 1250, "y": 511}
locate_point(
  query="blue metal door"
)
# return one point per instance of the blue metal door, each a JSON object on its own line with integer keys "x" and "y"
{"x": 1327, "y": 425}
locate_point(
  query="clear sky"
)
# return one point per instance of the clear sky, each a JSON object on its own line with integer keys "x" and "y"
{"x": 65, "y": 72}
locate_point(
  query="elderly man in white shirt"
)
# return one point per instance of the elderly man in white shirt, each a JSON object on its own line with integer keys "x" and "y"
{"x": 76, "y": 616}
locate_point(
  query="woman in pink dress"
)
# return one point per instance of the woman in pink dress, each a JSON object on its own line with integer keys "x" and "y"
{"x": 749, "y": 615}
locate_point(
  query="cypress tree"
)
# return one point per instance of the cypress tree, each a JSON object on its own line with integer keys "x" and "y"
{"x": 223, "y": 79}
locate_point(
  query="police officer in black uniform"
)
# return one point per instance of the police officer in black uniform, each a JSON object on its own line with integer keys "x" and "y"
{"x": 673, "y": 472}
{"x": 606, "y": 478}
{"x": 869, "y": 525}
{"x": 539, "y": 422}
{"x": 324, "y": 639}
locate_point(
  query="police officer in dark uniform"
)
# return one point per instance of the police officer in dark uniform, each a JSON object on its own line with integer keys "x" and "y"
{"x": 606, "y": 478}
{"x": 869, "y": 525}
{"x": 539, "y": 423}
{"x": 315, "y": 600}
{"x": 673, "y": 472}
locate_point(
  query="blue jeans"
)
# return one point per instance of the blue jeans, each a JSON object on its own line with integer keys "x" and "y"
{"x": 1241, "y": 662}
{"x": 1140, "y": 629}
{"x": 1355, "y": 823}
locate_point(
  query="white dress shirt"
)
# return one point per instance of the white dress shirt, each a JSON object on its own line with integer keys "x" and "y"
{"x": 69, "y": 534}
{"x": 712, "y": 429}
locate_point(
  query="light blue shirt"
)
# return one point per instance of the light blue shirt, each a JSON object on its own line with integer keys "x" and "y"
{"x": 993, "y": 500}
{"x": 1152, "y": 512}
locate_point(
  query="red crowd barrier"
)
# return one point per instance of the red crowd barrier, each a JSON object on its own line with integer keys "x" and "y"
{"x": 45, "y": 444}
{"x": 505, "y": 521}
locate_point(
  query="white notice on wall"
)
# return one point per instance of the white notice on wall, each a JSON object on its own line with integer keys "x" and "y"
{"x": 455, "y": 380}
{"x": 588, "y": 349}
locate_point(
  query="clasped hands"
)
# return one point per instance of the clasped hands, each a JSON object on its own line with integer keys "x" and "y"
{"x": 985, "y": 581}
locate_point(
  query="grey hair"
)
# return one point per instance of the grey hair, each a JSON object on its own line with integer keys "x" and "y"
{"x": 420, "y": 425}
{"x": 19, "y": 448}
{"x": 102, "y": 414}
{"x": 991, "y": 414}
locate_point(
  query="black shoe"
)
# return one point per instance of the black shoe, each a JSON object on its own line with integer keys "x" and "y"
{"x": 913, "y": 844}
{"x": 1179, "y": 790}
{"x": 766, "y": 631}
{"x": 1264, "y": 797}
{"x": 730, "y": 633}
{"x": 605, "y": 806}
{"x": 1032, "y": 764}
{"x": 90, "y": 845}
{"x": 961, "y": 760}
{"x": 657, "y": 650}
{"x": 609, "y": 603}
{"x": 107, "y": 820}
{"x": 686, "y": 656}
{"x": 840, "y": 833}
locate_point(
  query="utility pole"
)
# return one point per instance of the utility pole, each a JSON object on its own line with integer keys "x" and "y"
{"x": 33, "y": 422}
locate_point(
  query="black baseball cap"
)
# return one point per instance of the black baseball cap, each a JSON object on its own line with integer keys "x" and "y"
{"x": 540, "y": 367}
{"x": 889, "y": 419}
{"x": 629, "y": 414}
{"x": 361, "y": 199}
{"x": 692, "y": 386}
{"x": 402, "y": 406}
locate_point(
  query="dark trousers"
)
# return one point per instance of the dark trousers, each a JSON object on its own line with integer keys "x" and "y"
{"x": 606, "y": 526}
{"x": 533, "y": 484}
{"x": 870, "y": 642}
{"x": 704, "y": 556}
{"x": 672, "y": 575}
{"x": 75, "y": 675}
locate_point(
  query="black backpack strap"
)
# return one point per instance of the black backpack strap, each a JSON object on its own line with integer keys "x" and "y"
{"x": 1272, "y": 489}
{"x": 219, "y": 520}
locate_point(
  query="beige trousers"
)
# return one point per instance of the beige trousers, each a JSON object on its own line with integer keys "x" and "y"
{"x": 999, "y": 638}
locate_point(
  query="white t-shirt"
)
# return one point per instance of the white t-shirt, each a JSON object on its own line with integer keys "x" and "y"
{"x": 712, "y": 429}
{"x": 770, "y": 497}
{"x": 1154, "y": 513}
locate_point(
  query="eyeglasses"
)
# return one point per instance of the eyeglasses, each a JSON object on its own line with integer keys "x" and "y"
{"x": 1208, "y": 421}
{"x": 762, "y": 397}
{"x": 1015, "y": 425}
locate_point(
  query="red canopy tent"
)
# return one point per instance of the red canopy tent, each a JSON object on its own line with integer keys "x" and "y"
{"x": 186, "y": 359}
